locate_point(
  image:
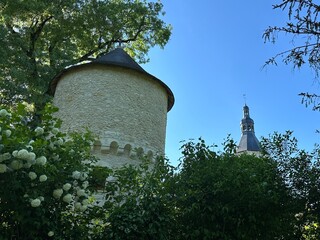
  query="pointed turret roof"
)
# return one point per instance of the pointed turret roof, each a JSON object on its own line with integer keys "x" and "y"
{"x": 248, "y": 141}
{"x": 117, "y": 58}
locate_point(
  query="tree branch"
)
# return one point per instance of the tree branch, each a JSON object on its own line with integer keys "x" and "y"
{"x": 108, "y": 44}
{"x": 295, "y": 49}
{"x": 135, "y": 37}
{"x": 34, "y": 36}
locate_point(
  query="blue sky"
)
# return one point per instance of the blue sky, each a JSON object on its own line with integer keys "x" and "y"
{"x": 215, "y": 55}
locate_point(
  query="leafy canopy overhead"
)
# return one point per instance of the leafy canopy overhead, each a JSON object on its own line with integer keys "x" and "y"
{"x": 41, "y": 37}
{"x": 303, "y": 27}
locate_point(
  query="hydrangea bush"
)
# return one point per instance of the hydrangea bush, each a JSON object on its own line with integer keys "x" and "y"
{"x": 44, "y": 177}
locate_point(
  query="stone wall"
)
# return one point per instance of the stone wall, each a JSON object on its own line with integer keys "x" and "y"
{"x": 126, "y": 109}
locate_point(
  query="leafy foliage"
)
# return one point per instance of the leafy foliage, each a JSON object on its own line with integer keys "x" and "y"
{"x": 41, "y": 37}
{"x": 139, "y": 203}
{"x": 301, "y": 173}
{"x": 230, "y": 197}
{"x": 43, "y": 177}
{"x": 304, "y": 28}
{"x": 49, "y": 191}
{"x": 218, "y": 195}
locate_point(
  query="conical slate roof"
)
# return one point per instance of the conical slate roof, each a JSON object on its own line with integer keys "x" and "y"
{"x": 117, "y": 58}
{"x": 248, "y": 142}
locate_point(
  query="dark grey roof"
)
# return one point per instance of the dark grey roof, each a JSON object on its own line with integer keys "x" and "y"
{"x": 247, "y": 120}
{"x": 248, "y": 142}
{"x": 118, "y": 58}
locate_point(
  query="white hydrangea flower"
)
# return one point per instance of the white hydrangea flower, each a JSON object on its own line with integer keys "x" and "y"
{"x": 5, "y": 156}
{"x": 39, "y": 131}
{"x": 51, "y": 146}
{"x": 8, "y": 133}
{"x": 41, "y": 198}
{"x": 85, "y": 184}
{"x": 85, "y": 202}
{"x": 15, "y": 153}
{"x": 3, "y": 168}
{"x": 56, "y": 157}
{"x": 77, "y": 206}
{"x": 59, "y": 142}
{"x": 83, "y": 208}
{"x": 50, "y": 234}
{"x": 75, "y": 183}
{"x": 76, "y": 175}
{"x": 23, "y": 154}
{"x": 66, "y": 186}
{"x": 32, "y": 162}
{"x": 16, "y": 164}
{"x": 32, "y": 175}
{"x": 4, "y": 113}
{"x": 35, "y": 202}
{"x": 57, "y": 193}
{"x": 29, "y": 147}
{"x": 41, "y": 160}
{"x": 71, "y": 151}
{"x": 43, "y": 178}
{"x": 67, "y": 198}
{"x": 31, "y": 157}
{"x": 27, "y": 165}
{"x": 83, "y": 176}
{"x": 81, "y": 193}
{"x": 30, "y": 144}
{"x": 55, "y": 131}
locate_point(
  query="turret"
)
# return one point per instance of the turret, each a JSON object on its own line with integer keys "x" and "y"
{"x": 116, "y": 99}
{"x": 248, "y": 142}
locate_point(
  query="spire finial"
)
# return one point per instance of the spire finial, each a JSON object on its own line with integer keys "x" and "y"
{"x": 120, "y": 44}
{"x": 245, "y": 99}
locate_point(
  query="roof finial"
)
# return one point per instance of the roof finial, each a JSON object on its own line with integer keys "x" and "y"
{"x": 245, "y": 99}
{"x": 120, "y": 44}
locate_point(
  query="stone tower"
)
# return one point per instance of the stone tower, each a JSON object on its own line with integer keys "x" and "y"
{"x": 122, "y": 104}
{"x": 248, "y": 143}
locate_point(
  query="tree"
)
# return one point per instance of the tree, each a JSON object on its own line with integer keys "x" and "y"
{"x": 301, "y": 173}
{"x": 304, "y": 28}
{"x": 217, "y": 195}
{"x": 299, "y": 168}
{"x": 226, "y": 196}
{"x": 139, "y": 203}
{"x": 41, "y": 37}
